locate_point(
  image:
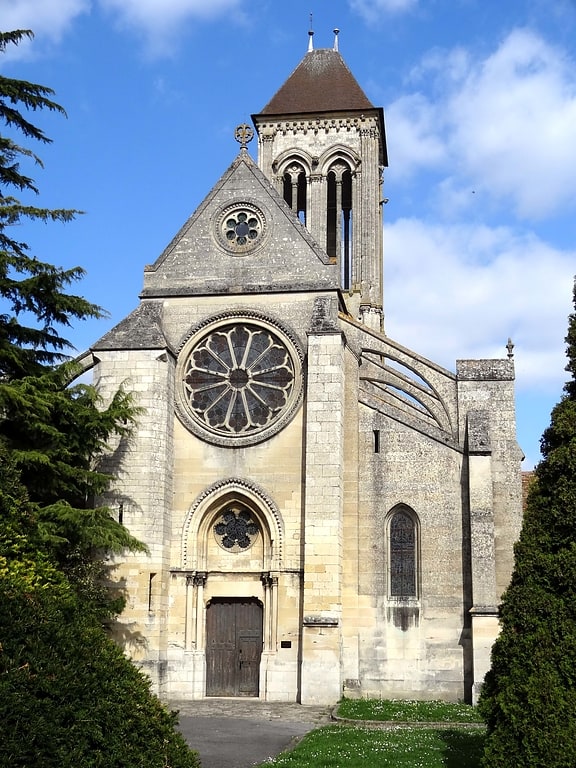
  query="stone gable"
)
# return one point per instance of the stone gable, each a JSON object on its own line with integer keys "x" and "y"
{"x": 197, "y": 261}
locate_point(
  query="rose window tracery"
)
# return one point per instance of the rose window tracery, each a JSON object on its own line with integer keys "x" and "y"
{"x": 236, "y": 530}
{"x": 240, "y": 228}
{"x": 238, "y": 379}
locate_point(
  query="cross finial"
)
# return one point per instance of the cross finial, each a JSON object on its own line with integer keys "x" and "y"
{"x": 243, "y": 134}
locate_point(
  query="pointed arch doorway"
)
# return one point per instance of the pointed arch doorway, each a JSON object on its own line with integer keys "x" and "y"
{"x": 233, "y": 646}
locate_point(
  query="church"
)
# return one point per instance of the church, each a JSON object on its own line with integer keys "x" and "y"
{"x": 327, "y": 513}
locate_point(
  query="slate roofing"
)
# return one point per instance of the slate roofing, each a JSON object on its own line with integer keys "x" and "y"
{"x": 321, "y": 82}
{"x": 142, "y": 329}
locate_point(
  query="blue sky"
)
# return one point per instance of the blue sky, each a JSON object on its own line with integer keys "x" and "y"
{"x": 480, "y": 107}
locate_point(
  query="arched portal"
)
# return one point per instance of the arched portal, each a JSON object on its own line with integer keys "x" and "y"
{"x": 231, "y": 549}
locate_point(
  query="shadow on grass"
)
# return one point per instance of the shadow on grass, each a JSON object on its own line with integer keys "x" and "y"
{"x": 462, "y": 748}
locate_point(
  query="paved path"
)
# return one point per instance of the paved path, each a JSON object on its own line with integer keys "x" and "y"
{"x": 239, "y": 733}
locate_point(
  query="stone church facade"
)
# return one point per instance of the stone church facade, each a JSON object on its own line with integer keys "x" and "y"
{"x": 326, "y": 512}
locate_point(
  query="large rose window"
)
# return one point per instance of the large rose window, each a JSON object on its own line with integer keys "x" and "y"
{"x": 239, "y": 379}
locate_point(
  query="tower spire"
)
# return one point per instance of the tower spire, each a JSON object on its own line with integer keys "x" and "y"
{"x": 310, "y": 36}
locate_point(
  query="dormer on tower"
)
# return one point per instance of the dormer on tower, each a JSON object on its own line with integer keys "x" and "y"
{"x": 322, "y": 143}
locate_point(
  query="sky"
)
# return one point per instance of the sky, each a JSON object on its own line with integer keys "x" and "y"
{"x": 479, "y": 98}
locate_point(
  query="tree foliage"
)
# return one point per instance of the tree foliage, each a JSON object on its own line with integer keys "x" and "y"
{"x": 529, "y": 695}
{"x": 35, "y": 303}
{"x": 68, "y": 695}
{"x": 56, "y": 433}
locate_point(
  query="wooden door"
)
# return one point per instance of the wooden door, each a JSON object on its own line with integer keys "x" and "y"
{"x": 233, "y": 646}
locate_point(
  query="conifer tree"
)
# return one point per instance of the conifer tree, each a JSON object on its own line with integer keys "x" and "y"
{"x": 35, "y": 304}
{"x": 55, "y": 432}
{"x": 529, "y": 695}
{"x": 68, "y": 695}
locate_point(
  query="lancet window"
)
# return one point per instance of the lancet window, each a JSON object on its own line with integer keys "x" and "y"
{"x": 339, "y": 219}
{"x": 403, "y": 554}
{"x": 295, "y": 190}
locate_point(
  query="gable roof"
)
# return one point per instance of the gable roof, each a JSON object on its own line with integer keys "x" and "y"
{"x": 321, "y": 82}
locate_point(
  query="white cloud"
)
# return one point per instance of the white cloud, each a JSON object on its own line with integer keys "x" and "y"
{"x": 48, "y": 19}
{"x": 460, "y": 292}
{"x": 503, "y": 125}
{"x": 160, "y": 21}
{"x": 515, "y": 119}
{"x": 414, "y": 135}
{"x": 373, "y": 9}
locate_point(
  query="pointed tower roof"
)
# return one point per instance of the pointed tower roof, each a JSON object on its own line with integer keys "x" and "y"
{"x": 320, "y": 83}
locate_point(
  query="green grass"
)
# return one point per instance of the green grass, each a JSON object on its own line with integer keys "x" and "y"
{"x": 336, "y": 746}
{"x": 407, "y": 711}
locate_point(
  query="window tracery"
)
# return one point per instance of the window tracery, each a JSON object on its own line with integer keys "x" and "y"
{"x": 239, "y": 380}
{"x": 236, "y": 529}
{"x": 241, "y": 228}
{"x": 402, "y": 534}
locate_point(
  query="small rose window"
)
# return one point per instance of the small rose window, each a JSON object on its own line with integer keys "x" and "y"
{"x": 236, "y": 530}
{"x": 240, "y": 228}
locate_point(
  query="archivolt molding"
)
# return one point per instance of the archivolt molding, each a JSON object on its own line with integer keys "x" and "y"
{"x": 238, "y": 489}
{"x": 338, "y": 153}
{"x": 289, "y": 156}
{"x": 401, "y": 506}
{"x": 247, "y": 314}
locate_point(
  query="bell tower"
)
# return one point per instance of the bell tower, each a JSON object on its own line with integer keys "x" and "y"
{"x": 322, "y": 143}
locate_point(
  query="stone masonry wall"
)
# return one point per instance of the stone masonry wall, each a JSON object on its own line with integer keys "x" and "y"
{"x": 143, "y": 491}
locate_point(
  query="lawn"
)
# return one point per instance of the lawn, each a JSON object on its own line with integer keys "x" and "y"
{"x": 360, "y": 747}
{"x": 408, "y": 711}
{"x": 396, "y": 746}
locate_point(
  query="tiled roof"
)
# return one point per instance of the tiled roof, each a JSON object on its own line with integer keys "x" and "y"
{"x": 320, "y": 83}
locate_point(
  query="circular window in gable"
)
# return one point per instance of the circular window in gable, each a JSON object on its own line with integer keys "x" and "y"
{"x": 240, "y": 382}
{"x": 241, "y": 227}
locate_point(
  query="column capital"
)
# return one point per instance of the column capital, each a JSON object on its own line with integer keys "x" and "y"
{"x": 197, "y": 579}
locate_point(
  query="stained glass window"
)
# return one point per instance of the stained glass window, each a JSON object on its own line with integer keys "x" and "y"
{"x": 238, "y": 379}
{"x": 241, "y": 228}
{"x": 402, "y": 555}
{"x": 236, "y": 530}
